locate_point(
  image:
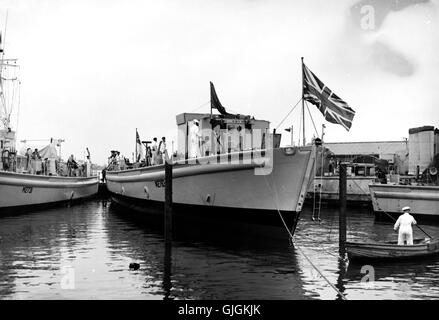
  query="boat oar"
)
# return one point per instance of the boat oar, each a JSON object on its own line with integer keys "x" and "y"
{"x": 415, "y": 225}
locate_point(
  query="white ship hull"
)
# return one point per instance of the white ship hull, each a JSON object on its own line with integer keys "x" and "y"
{"x": 226, "y": 189}
{"x": 423, "y": 200}
{"x": 19, "y": 190}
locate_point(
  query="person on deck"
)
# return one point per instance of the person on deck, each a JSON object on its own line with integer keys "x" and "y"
{"x": 154, "y": 149}
{"x": 28, "y": 159}
{"x": 36, "y": 155}
{"x": 194, "y": 140}
{"x": 148, "y": 156}
{"x": 163, "y": 150}
{"x": 37, "y": 161}
{"x": 71, "y": 165}
{"x": 404, "y": 223}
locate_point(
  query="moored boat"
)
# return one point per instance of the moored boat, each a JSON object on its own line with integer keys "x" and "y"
{"x": 391, "y": 250}
{"x": 326, "y": 186}
{"x": 33, "y": 179}
{"x": 231, "y": 166}
{"x": 254, "y": 185}
{"x": 20, "y": 189}
{"x": 390, "y": 198}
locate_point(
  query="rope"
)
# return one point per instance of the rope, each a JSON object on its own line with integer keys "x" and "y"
{"x": 312, "y": 120}
{"x": 321, "y": 183}
{"x": 321, "y": 274}
{"x": 320, "y": 190}
{"x": 18, "y": 106}
{"x": 199, "y": 107}
{"x": 314, "y": 193}
{"x": 301, "y": 251}
{"x": 300, "y": 128}
{"x": 278, "y": 211}
{"x": 288, "y": 113}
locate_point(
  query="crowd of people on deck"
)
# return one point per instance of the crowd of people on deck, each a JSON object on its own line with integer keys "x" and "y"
{"x": 35, "y": 164}
{"x": 156, "y": 153}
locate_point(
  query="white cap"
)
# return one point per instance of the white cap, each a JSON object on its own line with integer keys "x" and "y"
{"x": 196, "y": 121}
{"x": 405, "y": 208}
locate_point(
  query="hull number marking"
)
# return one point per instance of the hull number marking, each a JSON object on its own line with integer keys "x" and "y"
{"x": 160, "y": 183}
{"x": 27, "y": 190}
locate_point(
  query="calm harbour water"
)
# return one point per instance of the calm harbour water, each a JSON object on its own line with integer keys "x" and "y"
{"x": 83, "y": 252}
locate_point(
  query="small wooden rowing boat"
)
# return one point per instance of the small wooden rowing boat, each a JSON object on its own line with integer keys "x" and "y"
{"x": 391, "y": 250}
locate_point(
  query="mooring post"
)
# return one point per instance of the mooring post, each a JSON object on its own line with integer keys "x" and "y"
{"x": 167, "y": 284}
{"x": 168, "y": 201}
{"x": 342, "y": 216}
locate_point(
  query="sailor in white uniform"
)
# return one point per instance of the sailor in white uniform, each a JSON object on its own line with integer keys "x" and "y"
{"x": 154, "y": 150}
{"x": 194, "y": 140}
{"x": 404, "y": 223}
{"x": 163, "y": 150}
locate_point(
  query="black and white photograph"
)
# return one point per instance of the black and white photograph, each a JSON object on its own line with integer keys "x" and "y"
{"x": 219, "y": 151}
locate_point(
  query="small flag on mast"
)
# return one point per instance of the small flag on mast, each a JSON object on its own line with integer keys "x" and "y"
{"x": 139, "y": 150}
{"x": 330, "y": 105}
{"x": 214, "y": 101}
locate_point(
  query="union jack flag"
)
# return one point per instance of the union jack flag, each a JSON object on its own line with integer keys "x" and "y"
{"x": 330, "y": 105}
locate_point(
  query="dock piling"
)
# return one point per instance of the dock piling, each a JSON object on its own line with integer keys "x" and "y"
{"x": 342, "y": 216}
{"x": 167, "y": 284}
{"x": 168, "y": 201}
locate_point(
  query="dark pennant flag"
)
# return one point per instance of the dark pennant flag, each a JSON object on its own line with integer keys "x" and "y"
{"x": 139, "y": 149}
{"x": 330, "y": 105}
{"x": 214, "y": 101}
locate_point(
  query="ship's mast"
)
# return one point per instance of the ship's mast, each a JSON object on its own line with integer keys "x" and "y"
{"x": 4, "y": 119}
{"x": 303, "y": 109}
{"x": 8, "y": 81}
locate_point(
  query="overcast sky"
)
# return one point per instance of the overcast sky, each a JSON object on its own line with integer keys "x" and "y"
{"x": 92, "y": 71}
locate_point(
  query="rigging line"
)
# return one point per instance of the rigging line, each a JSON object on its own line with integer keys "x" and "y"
{"x": 303, "y": 253}
{"x": 278, "y": 211}
{"x": 18, "y": 105}
{"x": 199, "y": 107}
{"x": 288, "y": 114}
{"x": 312, "y": 120}
{"x": 314, "y": 192}
{"x": 12, "y": 100}
{"x": 4, "y": 44}
{"x": 321, "y": 274}
{"x": 300, "y": 128}
{"x": 321, "y": 181}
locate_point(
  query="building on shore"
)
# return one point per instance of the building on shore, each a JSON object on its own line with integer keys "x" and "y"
{"x": 395, "y": 152}
{"x": 405, "y": 161}
{"x": 423, "y": 148}
{"x": 404, "y": 156}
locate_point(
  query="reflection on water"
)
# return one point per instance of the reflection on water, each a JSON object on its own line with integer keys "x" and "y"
{"x": 83, "y": 252}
